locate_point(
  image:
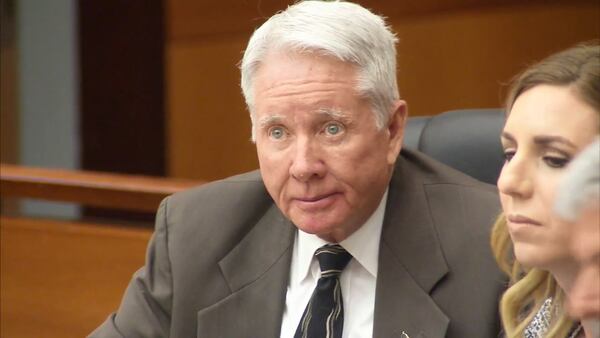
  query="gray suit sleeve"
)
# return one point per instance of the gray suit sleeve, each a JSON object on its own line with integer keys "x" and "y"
{"x": 145, "y": 310}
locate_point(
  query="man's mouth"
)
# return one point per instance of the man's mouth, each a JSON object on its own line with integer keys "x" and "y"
{"x": 316, "y": 202}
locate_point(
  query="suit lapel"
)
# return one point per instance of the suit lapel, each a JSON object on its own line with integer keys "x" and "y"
{"x": 257, "y": 272}
{"x": 410, "y": 262}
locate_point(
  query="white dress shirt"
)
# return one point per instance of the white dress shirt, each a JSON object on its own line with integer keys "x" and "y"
{"x": 358, "y": 280}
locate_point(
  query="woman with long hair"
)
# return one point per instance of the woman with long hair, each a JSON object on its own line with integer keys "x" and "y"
{"x": 553, "y": 112}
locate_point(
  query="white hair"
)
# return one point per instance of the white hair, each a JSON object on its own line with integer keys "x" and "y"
{"x": 342, "y": 30}
{"x": 581, "y": 184}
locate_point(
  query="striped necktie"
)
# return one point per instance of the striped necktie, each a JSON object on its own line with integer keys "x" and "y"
{"x": 324, "y": 314}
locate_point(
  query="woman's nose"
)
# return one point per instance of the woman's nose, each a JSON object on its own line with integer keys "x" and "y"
{"x": 516, "y": 178}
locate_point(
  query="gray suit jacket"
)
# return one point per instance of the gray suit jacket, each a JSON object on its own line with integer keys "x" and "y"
{"x": 218, "y": 263}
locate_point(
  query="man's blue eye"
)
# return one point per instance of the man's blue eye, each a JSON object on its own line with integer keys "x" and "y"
{"x": 333, "y": 129}
{"x": 276, "y": 133}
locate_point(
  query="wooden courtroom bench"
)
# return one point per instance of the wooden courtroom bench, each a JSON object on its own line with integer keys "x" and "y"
{"x": 61, "y": 278}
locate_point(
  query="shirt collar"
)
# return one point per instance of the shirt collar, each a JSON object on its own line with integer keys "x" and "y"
{"x": 363, "y": 245}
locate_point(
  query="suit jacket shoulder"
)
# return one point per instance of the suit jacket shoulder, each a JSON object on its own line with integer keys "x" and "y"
{"x": 218, "y": 248}
{"x": 435, "y": 242}
{"x": 203, "y": 211}
{"x": 229, "y": 238}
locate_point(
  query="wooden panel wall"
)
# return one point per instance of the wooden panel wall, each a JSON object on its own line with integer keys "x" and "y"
{"x": 122, "y": 86}
{"x": 62, "y": 280}
{"x": 465, "y": 58}
{"x": 8, "y": 84}
{"x": 452, "y": 54}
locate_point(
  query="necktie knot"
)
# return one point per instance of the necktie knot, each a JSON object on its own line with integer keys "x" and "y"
{"x": 332, "y": 259}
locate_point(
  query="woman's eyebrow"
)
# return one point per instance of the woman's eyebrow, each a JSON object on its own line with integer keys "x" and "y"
{"x": 508, "y": 136}
{"x": 546, "y": 140}
{"x": 542, "y": 140}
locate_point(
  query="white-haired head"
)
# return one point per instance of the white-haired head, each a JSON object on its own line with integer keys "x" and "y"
{"x": 342, "y": 30}
{"x": 581, "y": 184}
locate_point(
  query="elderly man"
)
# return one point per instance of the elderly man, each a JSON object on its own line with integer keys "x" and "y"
{"x": 339, "y": 234}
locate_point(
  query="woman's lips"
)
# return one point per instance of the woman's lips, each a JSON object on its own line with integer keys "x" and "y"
{"x": 520, "y": 219}
{"x": 522, "y": 228}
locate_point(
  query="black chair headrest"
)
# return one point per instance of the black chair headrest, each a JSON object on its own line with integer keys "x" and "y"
{"x": 467, "y": 140}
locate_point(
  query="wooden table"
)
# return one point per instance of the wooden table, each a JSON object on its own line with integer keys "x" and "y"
{"x": 61, "y": 279}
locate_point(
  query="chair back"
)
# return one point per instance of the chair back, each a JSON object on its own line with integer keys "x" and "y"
{"x": 467, "y": 140}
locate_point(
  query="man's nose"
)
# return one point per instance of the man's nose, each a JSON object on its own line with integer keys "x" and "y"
{"x": 307, "y": 161}
{"x": 516, "y": 178}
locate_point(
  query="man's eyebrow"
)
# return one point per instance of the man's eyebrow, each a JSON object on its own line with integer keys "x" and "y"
{"x": 270, "y": 120}
{"x": 333, "y": 113}
{"x": 546, "y": 140}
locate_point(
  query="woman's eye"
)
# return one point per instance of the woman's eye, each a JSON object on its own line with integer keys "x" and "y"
{"x": 276, "y": 133}
{"x": 508, "y": 155}
{"x": 556, "y": 162}
{"x": 333, "y": 129}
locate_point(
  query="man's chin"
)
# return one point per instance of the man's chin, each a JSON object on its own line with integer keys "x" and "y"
{"x": 314, "y": 228}
{"x": 320, "y": 229}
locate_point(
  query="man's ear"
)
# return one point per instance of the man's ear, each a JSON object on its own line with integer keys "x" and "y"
{"x": 395, "y": 129}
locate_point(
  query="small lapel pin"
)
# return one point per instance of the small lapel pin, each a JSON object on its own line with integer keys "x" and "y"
{"x": 404, "y": 335}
